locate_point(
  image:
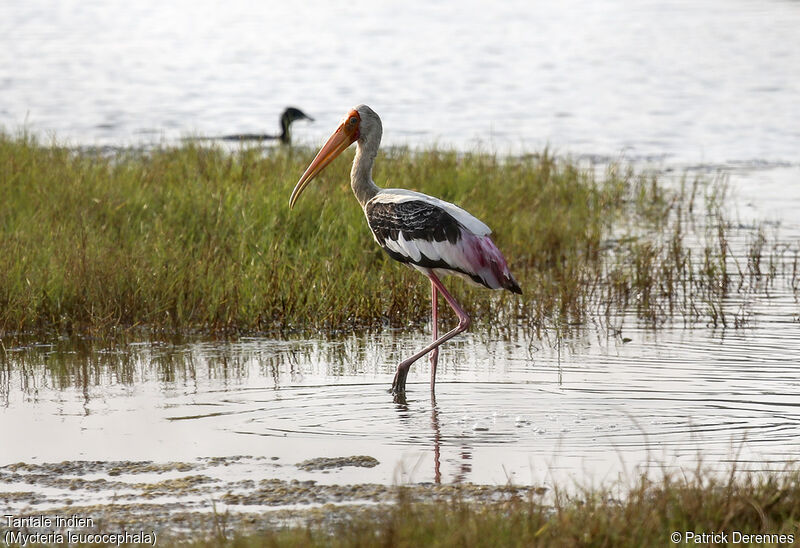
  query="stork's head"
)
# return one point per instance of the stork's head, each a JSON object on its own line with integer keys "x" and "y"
{"x": 361, "y": 124}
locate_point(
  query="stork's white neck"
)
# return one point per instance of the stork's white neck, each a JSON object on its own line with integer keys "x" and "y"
{"x": 361, "y": 174}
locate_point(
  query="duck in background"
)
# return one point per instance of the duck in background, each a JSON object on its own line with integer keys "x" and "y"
{"x": 290, "y": 115}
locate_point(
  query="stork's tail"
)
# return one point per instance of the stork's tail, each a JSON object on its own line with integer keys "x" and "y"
{"x": 511, "y": 284}
{"x": 498, "y": 275}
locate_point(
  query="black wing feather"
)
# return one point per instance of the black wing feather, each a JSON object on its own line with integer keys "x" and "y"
{"x": 416, "y": 219}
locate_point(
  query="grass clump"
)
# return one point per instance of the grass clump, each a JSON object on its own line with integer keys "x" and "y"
{"x": 646, "y": 514}
{"x": 201, "y": 239}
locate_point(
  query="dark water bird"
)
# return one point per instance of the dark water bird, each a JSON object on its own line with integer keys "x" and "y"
{"x": 290, "y": 115}
{"x": 433, "y": 236}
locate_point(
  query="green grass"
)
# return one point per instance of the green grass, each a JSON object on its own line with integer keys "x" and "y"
{"x": 198, "y": 239}
{"x": 646, "y": 514}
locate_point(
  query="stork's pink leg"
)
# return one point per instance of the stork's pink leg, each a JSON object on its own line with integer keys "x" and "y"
{"x": 399, "y": 384}
{"x": 435, "y": 331}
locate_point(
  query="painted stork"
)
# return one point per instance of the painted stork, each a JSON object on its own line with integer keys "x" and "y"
{"x": 289, "y": 116}
{"x": 433, "y": 236}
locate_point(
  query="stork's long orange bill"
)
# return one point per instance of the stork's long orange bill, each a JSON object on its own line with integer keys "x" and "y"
{"x": 342, "y": 138}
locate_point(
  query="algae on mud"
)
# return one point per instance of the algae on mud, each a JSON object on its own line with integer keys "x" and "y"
{"x": 197, "y": 239}
{"x": 640, "y": 512}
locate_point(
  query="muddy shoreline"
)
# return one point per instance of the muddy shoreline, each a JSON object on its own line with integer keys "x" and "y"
{"x": 177, "y": 500}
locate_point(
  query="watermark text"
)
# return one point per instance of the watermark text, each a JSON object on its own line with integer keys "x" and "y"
{"x": 730, "y": 537}
{"x": 57, "y": 529}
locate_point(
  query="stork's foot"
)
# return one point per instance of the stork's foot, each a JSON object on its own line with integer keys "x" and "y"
{"x": 399, "y": 383}
{"x": 400, "y": 398}
{"x": 398, "y": 389}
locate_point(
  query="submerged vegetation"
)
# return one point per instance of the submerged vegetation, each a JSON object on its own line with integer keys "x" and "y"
{"x": 194, "y": 238}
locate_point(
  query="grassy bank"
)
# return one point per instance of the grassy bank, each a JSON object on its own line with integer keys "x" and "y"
{"x": 200, "y": 239}
{"x": 647, "y": 514}
{"x": 677, "y": 509}
{"x": 763, "y": 510}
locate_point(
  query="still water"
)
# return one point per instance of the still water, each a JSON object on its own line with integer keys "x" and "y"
{"x": 713, "y": 81}
{"x": 509, "y": 406}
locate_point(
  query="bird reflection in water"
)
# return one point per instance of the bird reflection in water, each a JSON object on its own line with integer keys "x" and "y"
{"x": 465, "y": 450}
{"x": 437, "y": 442}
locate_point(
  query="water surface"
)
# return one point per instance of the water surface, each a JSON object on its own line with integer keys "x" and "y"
{"x": 507, "y": 408}
{"x": 683, "y": 82}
